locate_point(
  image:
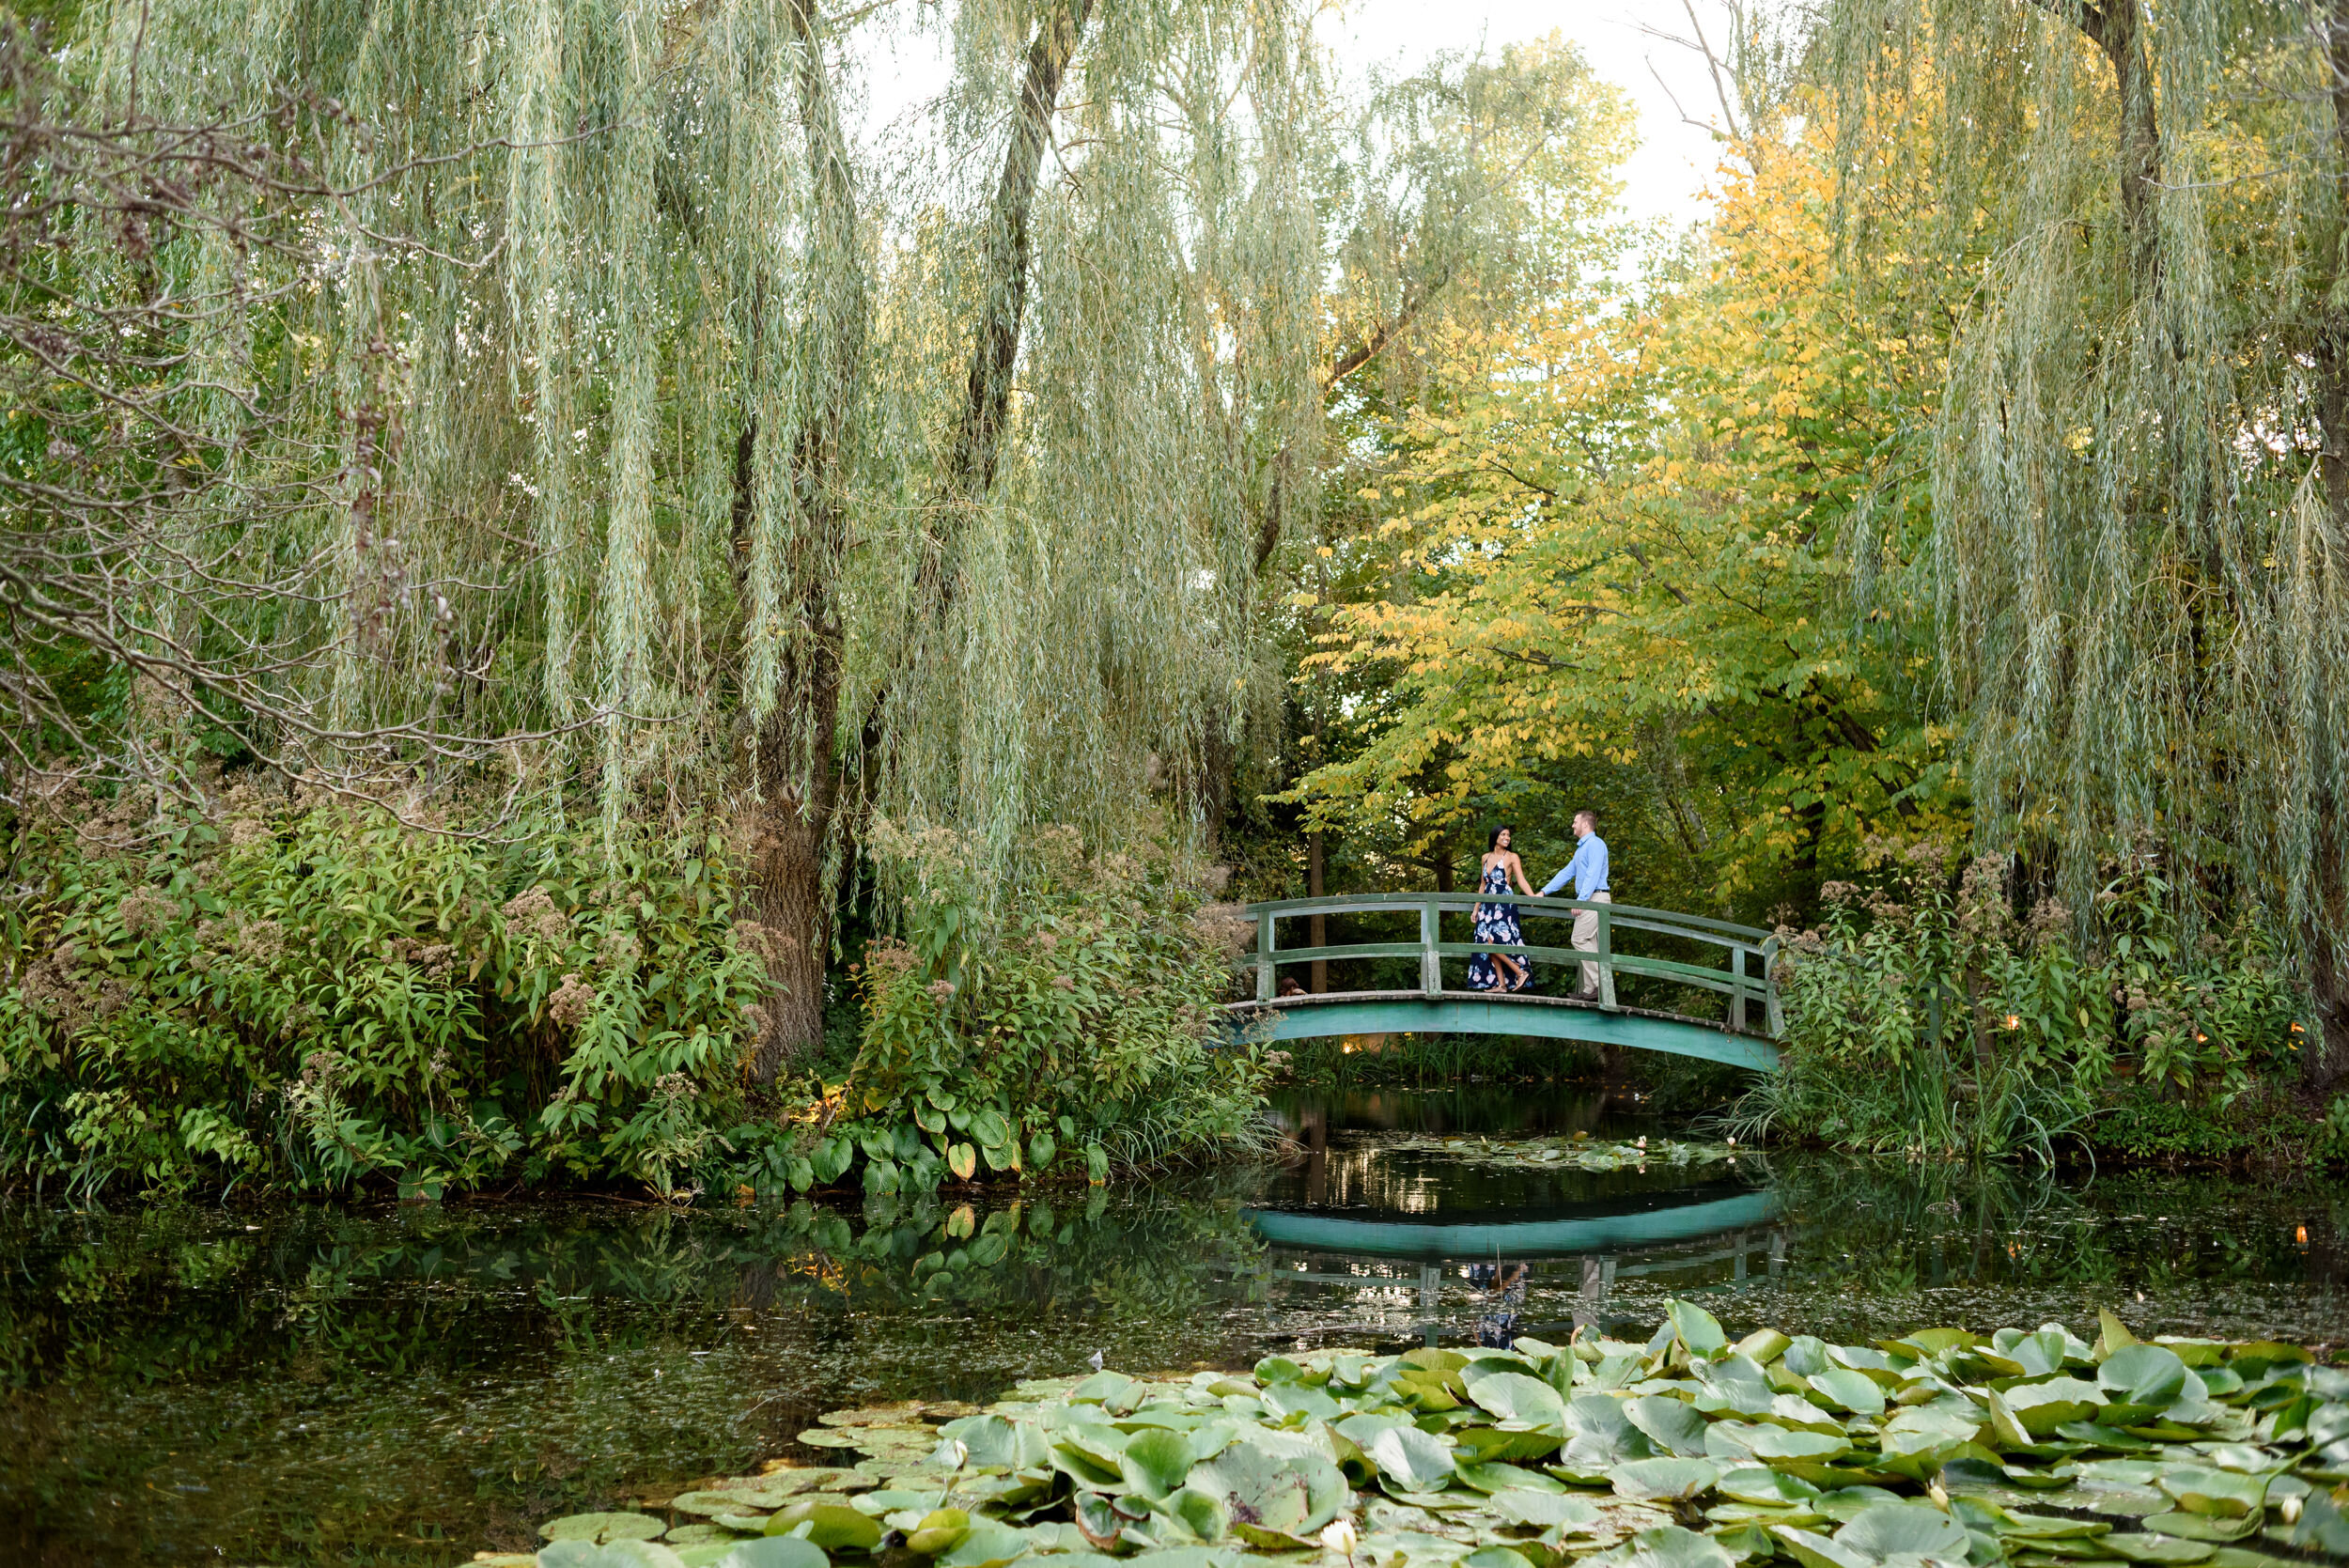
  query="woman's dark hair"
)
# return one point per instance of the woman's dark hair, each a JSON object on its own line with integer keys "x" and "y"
{"x": 1494, "y": 842}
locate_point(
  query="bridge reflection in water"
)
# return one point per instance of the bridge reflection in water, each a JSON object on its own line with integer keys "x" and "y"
{"x": 1436, "y": 1251}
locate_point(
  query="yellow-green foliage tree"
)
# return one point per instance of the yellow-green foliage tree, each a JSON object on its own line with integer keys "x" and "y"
{"x": 1658, "y": 548}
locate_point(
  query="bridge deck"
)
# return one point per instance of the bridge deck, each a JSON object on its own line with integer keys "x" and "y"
{"x": 1344, "y": 1013}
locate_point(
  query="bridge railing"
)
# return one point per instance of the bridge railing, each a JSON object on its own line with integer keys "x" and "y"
{"x": 1748, "y": 976}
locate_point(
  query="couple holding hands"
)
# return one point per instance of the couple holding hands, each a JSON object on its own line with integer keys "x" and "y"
{"x": 1498, "y": 922}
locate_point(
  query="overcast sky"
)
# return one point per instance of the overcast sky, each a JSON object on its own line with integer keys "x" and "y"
{"x": 1675, "y": 159}
{"x": 1666, "y": 176}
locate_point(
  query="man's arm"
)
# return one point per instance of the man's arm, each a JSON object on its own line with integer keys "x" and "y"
{"x": 1565, "y": 874}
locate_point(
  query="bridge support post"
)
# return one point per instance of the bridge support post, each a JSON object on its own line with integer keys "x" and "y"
{"x": 1264, "y": 988}
{"x": 1606, "y": 958}
{"x": 1430, "y": 961}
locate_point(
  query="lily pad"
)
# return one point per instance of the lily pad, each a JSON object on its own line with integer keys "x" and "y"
{"x": 1547, "y": 1509}
{"x": 1410, "y": 1458}
{"x": 595, "y": 1529}
{"x": 835, "y": 1527}
{"x": 1670, "y": 1546}
{"x": 1849, "y": 1389}
{"x": 1672, "y": 1424}
{"x": 1154, "y": 1463}
{"x": 627, "y": 1552}
{"x": 1278, "y": 1493}
{"x": 1514, "y": 1397}
{"x": 1665, "y": 1480}
{"x": 776, "y": 1551}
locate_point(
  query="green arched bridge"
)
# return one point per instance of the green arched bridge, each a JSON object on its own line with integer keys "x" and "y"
{"x": 1669, "y": 967}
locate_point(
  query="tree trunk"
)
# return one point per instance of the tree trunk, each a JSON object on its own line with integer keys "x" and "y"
{"x": 2116, "y": 28}
{"x": 994, "y": 353}
{"x": 2325, "y": 1056}
{"x": 792, "y": 812}
{"x": 995, "y": 346}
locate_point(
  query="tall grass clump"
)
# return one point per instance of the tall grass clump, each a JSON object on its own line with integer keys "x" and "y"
{"x": 1926, "y": 1015}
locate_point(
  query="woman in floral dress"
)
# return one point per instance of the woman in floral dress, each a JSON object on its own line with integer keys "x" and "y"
{"x": 1498, "y": 922}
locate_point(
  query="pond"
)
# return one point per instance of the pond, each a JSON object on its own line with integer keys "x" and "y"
{"x": 412, "y": 1385}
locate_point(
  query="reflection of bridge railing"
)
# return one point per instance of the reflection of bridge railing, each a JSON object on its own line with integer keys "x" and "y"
{"x": 1746, "y": 978}
{"x": 1358, "y": 1256}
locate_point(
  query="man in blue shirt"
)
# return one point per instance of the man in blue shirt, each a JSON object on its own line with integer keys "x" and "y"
{"x": 1588, "y": 872}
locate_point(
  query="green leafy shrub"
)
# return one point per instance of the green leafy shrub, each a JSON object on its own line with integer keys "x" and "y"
{"x": 1077, "y": 1022}
{"x": 1928, "y": 1019}
{"x": 309, "y": 994}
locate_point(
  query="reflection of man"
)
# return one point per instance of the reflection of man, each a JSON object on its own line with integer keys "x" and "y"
{"x": 1588, "y": 872}
{"x": 1503, "y": 1285}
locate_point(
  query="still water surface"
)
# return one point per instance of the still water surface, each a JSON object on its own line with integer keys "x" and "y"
{"x": 409, "y": 1386}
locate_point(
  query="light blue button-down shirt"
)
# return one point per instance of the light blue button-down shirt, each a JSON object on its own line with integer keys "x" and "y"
{"x": 1588, "y": 870}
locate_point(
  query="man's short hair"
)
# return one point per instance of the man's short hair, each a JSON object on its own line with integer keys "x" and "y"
{"x": 1586, "y": 815}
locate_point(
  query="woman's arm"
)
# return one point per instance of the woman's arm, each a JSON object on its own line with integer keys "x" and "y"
{"x": 1516, "y": 869}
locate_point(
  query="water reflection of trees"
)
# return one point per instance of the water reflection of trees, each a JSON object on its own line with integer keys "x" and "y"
{"x": 173, "y": 1381}
{"x": 1877, "y": 1249}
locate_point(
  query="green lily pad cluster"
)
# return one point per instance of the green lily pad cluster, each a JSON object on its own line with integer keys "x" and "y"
{"x": 1566, "y": 1153}
{"x": 1942, "y": 1448}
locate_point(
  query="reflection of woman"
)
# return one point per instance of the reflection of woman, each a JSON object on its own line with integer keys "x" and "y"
{"x": 1498, "y": 922}
{"x": 1503, "y": 1284}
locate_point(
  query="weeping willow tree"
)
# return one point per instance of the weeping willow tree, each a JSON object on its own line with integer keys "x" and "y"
{"x": 726, "y": 458}
{"x": 2142, "y": 486}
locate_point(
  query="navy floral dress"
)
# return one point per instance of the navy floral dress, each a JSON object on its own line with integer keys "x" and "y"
{"x": 1497, "y": 923}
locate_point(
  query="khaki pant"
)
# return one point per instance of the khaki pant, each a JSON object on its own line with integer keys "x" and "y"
{"x": 1586, "y": 938}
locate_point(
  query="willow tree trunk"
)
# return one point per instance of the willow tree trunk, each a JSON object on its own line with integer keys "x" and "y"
{"x": 995, "y": 346}
{"x": 793, "y": 810}
{"x": 995, "y": 354}
{"x": 2325, "y": 1059}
